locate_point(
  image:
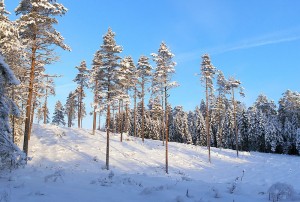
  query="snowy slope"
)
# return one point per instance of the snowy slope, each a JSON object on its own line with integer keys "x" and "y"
{"x": 67, "y": 165}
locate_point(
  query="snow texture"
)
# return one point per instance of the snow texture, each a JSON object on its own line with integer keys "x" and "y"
{"x": 69, "y": 167}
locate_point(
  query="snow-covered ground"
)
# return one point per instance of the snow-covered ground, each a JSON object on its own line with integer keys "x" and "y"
{"x": 67, "y": 165}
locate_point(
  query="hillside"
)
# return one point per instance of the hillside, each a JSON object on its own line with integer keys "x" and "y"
{"x": 66, "y": 164}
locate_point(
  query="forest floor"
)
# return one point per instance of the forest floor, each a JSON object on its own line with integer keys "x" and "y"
{"x": 68, "y": 164}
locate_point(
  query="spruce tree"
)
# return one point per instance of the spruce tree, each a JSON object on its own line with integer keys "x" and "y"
{"x": 58, "y": 115}
{"x": 70, "y": 108}
{"x": 10, "y": 155}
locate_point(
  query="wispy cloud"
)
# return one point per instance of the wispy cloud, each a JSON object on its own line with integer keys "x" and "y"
{"x": 256, "y": 43}
{"x": 268, "y": 39}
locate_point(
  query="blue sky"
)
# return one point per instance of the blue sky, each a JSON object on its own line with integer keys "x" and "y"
{"x": 256, "y": 41}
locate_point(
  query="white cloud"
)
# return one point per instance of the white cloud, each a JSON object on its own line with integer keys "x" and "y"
{"x": 267, "y": 39}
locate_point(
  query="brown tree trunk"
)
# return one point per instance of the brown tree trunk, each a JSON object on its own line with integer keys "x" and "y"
{"x": 134, "y": 111}
{"x": 162, "y": 118}
{"x": 13, "y": 116}
{"x": 29, "y": 101}
{"x": 107, "y": 132}
{"x": 94, "y": 120}
{"x": 80, "y": 106}
{"x": 235, "y": 125}
{"x": 120, "y": 122}
{"x": 45, "y": 105}
{"x": 167, "y": 131}
{"x": 99, "y": 121}
{"x": 32, "y": 118}
{"x": 143, "y": 112}
{"x": 207, "y": 122}
{"x": 126, "y": 118}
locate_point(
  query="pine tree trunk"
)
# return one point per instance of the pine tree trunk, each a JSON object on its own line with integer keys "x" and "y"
{"x": 126, "y": 118}
{"x": 235, "y": 125}
{"x": 162, "y": 118}
{"x": 68, "y": 118}
{"x": 120, "y": 124}
{"x": 143, "y": 112}
{"x": 45, "y": 105}
{"x": 95, "y": 113}
{"x": 13, "y": 116}
{"x": 94, "y": 120}
{"x": 29, "y": 101}
{"x": 134, "y": 111}
{"x": 99, "y": 121}
{"x": 31, "y": 119}
{"x": 207, "y": 121}
{"x": 167, "y": 132}
{"x": 107, "y": 132}
{"x": 80, "y": 107}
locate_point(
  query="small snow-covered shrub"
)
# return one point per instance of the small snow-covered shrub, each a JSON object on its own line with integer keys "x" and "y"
{"x": 279, "y": 191}
{"x": 233, "y": 186}
{"x": 4, "y": 196}
{"x": 55, "y": 176}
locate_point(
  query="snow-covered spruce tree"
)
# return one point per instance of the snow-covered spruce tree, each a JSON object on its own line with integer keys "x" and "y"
{"x": 231, "y": 85}
{"x": 48, "y": 89}
{"x": 13, "y": 52}
{"x": 10, "y": 155}
{"x": 207, "y": 74}
{"x": 289, "y": 116}
{"x": 144, "y": 73}
{"x": 162, "y": 78}
{"x": 179, "y": 131}
{"x": 38, "y": 35}
{"x": 82, "y": 82}
{"x": 10, "y": 46}
{"x": 96, "y": 75}
{"x": 127, "y": 81}
{"x": 70, "y": 108}
{"x": 272, "y": 126}
{"x": 155, "y": 111}
{"x": 107, "y": 83}
{"x": 220, "y": 105}
{"x": 199, "y": 137}
{"x": 244, "y": 131}
{"x": 59, "y": 115}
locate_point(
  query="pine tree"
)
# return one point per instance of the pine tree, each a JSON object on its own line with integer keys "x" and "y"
{"x": 162, "y": 80}
{"x": 36, "y": 25}
{"x": 58, "y": 115}
{"x": 144, "y": 73}
{"x": 231, "y": 85}
{"x": 107, "y": 84}
{"x": 207, "y": 71}
{"x": 82, "y": 82}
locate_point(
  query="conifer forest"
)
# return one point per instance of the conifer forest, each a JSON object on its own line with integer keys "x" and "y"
{"x": 131, "y": 99}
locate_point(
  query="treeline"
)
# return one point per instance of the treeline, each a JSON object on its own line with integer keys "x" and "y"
{"x": 263, "y": 127}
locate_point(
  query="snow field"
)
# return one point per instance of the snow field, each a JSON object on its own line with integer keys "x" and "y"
{"x": 67, "y": 165}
